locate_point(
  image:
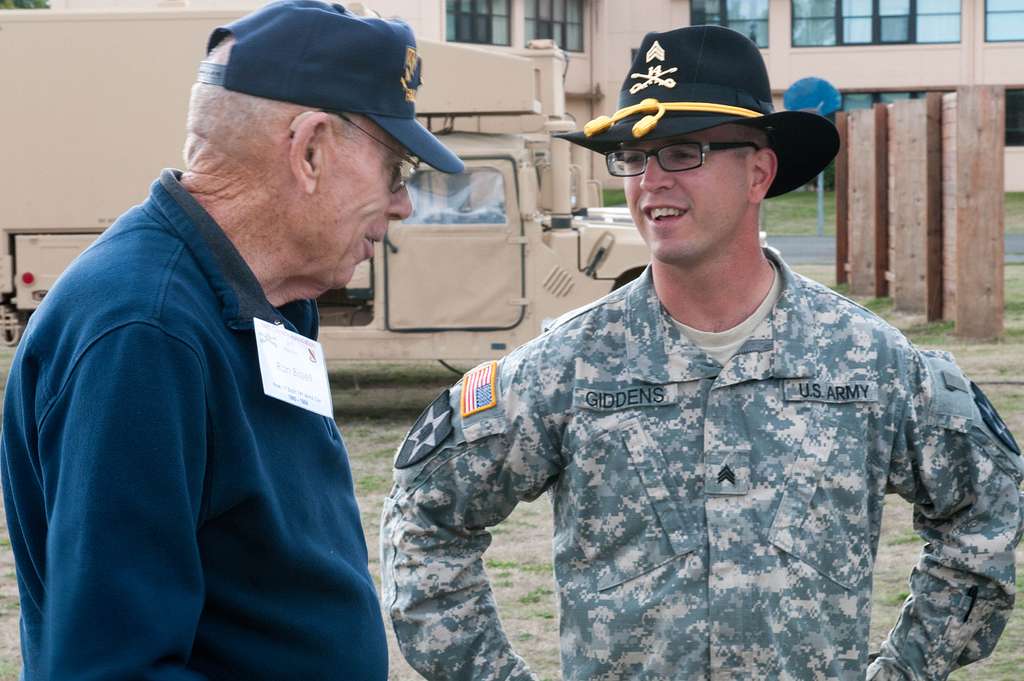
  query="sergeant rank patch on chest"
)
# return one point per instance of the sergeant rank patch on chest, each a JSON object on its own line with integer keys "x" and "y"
{"x": 810, "y": 390}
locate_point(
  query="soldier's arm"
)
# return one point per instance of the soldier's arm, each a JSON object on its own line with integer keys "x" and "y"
{"x": 962, "y": 470}
{"x": 433, "y": 533}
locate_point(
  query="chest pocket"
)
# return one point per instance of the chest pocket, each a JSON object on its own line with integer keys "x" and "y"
{"x": 822, "y": 518}
{"x": 629, "y": 517}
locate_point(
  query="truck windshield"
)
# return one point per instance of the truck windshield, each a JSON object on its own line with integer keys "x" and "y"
{"x": 476, "y": 196}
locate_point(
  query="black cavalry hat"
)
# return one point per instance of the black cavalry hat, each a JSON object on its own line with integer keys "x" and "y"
{"x": 698, "y": 77}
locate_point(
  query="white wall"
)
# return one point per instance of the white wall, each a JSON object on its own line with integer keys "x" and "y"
{"x": 1014, "y": 169}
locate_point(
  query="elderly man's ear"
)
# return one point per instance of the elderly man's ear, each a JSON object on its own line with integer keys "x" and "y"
{"x": 310, "y": 133}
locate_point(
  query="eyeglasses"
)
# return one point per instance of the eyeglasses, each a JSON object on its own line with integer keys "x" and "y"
{"x": 402, "y": 171}
{"x": 672, "y": 157}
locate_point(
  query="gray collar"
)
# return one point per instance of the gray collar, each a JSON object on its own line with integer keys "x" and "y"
{"x": 659, "y": 353}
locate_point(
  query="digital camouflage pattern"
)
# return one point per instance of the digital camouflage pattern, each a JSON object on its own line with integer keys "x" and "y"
{"x": 713, "y": 522}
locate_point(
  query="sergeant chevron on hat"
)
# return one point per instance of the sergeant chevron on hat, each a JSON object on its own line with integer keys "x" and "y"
{"x": 699, "y": 77}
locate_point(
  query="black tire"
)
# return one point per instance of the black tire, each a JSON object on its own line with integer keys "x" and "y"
{"x": 627, "y": 276}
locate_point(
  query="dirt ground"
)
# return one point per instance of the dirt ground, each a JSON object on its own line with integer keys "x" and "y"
{"x": 376, "y": 404}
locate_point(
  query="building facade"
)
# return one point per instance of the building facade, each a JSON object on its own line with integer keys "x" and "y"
{"x": 871, "y": 50}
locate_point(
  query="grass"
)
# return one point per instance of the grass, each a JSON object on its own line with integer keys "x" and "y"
{"x": 536, "y": 596}
{"x": 614, "y": 197}
{"x": 1014, "y": 212}
{"x": 387, "y": 390}
{"x": 796, "y": 213}
{"x": 908, "y": 537}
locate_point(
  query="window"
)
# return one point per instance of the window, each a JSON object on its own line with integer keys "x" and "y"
{"x": 856, "y": 21}
{"x": 875, "y": 22}
{"x": 473, "y": 197}
{"x": 560, "y": 20}
{"x": 890, "y": 97}
{"x": 814, "y": 22}
{"x": 858, "y": 100}
{"x": 1004, "y": 20}
{"x": 865, "y": 100}
{"x": 938, "y": 21}
{"x": 894, "y": 21}
{"x": 478, "y": 21}
{"x": 1015, "y": 118}
{"x": 749, "y": 17}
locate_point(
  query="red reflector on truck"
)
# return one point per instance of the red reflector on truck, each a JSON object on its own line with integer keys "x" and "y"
{"x": 28, "y": 278}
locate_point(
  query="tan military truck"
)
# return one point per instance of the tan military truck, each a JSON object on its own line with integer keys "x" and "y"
{"x": 94, "y": 106}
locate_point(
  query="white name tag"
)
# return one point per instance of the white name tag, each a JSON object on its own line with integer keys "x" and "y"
{"x": 293, "y": 368}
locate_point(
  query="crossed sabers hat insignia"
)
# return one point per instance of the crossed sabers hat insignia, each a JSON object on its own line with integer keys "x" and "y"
{"x": 654, "y": 73}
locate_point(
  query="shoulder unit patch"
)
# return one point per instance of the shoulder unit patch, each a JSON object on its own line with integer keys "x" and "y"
{"x": 992, "y": 419}
{"x": 430, "y": 430}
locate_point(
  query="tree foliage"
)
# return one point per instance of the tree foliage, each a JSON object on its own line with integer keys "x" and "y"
{"x": 24, "y": 4}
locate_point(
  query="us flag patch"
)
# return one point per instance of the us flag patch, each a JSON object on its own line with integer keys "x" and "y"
{"x": 479, "y": 389}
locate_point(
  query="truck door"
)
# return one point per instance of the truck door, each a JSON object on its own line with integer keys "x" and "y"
{"x": 457, "y": 262}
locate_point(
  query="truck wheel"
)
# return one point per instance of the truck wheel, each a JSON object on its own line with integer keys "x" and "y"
{"x": 627, "y": 276}
{"x": 10, "y": 333}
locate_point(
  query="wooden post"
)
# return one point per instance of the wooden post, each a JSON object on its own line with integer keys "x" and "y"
{"x": 949, "y": 193}
{"x": 981, "y": 121}
{"x": 842, "y": 201}
{"x": 881, "y": 200}
{"x": 862, "y": 177}
{"x": 933, "y": 234}
{"x": 914, "y": 204}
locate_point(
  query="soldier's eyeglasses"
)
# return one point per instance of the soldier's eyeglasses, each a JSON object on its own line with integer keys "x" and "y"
{"x": 672, "y": 157}
{"x": 402, "y": 171}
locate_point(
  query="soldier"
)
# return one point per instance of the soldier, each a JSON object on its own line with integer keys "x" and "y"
{"x": 717, "y": 437}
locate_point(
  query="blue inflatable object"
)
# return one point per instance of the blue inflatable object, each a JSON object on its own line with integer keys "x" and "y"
{"x": 812, "y": 94}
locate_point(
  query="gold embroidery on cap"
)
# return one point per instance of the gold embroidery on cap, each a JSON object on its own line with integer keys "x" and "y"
{"x": 407, "y": 75}
{"x": 653, "y": 77}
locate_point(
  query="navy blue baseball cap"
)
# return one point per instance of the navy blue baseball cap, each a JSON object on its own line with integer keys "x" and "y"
{"x": 322, "y": 56}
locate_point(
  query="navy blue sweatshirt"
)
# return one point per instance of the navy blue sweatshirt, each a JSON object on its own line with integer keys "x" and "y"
{"x": 169, "y": 520}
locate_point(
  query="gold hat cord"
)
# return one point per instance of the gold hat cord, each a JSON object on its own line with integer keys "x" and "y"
{"x": 653, "y": 106}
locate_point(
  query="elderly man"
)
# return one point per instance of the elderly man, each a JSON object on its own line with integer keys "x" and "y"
{"x": 717, "y": 437}
{"x": 178, "y": 507}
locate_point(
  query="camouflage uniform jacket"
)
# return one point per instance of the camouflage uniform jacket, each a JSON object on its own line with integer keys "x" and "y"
{"x": 713, "y": 522}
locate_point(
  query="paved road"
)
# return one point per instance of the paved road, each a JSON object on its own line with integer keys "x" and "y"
{"x": 806, "y": 250}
